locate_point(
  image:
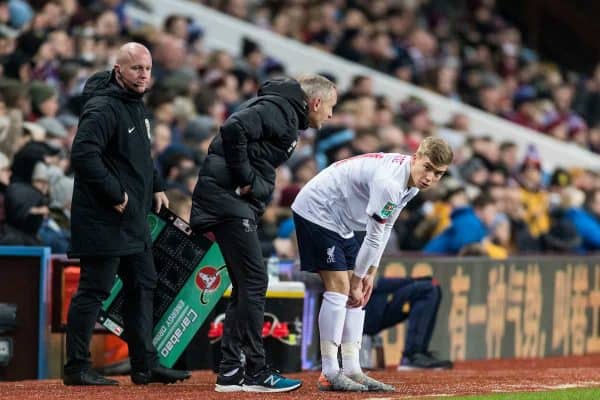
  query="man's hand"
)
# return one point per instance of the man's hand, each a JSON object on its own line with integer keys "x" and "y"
{"x": 121, "y": 207}
{"x": 160, "y": 199}
{"x": 356, "y": 292}
{"x": 367, "y": 288}
{"x": 244, "y": 190}
{"x": 41, "y": 210}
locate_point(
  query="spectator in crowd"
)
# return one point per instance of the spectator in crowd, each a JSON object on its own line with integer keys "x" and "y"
{"x": 44, "y": 100}
{"x": 439, "y": 219}
{"x": 55, "y": 232}
{"x": 197, "y": 136}
{"x": 472, "y": 54}
{"x": 533, "y": 195}
{"x": 562, "y": 236}
{"x": 26, "y": 205}
{"x": 333, "y": 143}
{"x": 469, "y": 225}
{"x": 29, "y": 155}
{"x": 395, "y": 300}
{"x": 180, "y": 203}
{"x": 587, "y": 221}
{"x": 587, "y": 98}
{"x": 508, "y": 157}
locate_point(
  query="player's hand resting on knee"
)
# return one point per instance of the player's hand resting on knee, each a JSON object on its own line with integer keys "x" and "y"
{"x": 355, "y": 296}
{"x": 367, "y": 288}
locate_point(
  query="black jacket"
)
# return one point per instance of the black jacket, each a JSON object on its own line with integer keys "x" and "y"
{"x": 110, "y": 156}
{"x": 251, "y": 144}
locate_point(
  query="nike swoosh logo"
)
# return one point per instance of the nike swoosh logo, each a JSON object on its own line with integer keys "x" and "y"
{"x": 131, "y": 130}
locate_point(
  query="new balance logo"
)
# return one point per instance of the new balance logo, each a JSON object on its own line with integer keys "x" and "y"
{"x": 131, "y": 130}
{"x": 330, "y": 255}
{"x": 272, "y": 380}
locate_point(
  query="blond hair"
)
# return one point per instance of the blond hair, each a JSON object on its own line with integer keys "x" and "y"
{"x": 316, "y": 86}
{"x": 437, "y": 150}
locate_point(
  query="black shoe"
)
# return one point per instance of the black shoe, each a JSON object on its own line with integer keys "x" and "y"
{"x": 159, "y": 374}
{"x": 444, "y": 364}
{"x": 230, "y": 381}
{"x": 88, "y": 378}
{"x": 423, "y": 361}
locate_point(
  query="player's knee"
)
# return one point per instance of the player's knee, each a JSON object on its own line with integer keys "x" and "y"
{"x": 336, "y": 282}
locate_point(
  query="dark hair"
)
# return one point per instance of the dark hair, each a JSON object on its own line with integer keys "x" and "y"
{"x": 170, "y": 21}
{"x": 507, "y": 145}
{"x": 483, "y": 200}
{"x": 204, "y": 100}
{"x": 357, "y": 79}
{"x": 160, "y": 96}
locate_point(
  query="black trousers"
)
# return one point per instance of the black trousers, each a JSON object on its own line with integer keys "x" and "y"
{"x": 96, "y": 279}
{"x": 244, "y": 319}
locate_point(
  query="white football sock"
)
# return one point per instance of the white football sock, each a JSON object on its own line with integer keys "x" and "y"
{"x": 351, "y": 340}
{"x": 331, "y": 327}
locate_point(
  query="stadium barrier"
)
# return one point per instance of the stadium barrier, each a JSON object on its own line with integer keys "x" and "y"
{"x": 24, "y": 283}
{"x": 522, "y": 307}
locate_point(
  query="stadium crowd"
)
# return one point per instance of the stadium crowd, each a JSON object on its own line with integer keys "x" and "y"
{"x": 491, "y": 202}
{"x": 461, "y": 49}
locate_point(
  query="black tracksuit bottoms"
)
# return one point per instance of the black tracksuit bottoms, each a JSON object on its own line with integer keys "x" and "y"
{"x": 97, "y": 277}
{"x": 241, "y": 249}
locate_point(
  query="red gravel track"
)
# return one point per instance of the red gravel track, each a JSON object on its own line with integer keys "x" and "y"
{"x": 472, "y": 377}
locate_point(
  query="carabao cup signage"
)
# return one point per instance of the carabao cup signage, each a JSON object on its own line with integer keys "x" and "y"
{"x": 191, "y": 280}
{"x": 190, "y": 308}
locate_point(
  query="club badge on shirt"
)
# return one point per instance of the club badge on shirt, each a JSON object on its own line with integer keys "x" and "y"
{"x": 387, "y": 210}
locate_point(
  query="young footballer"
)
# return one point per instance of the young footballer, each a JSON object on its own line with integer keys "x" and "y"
{"x": 365, "y": 192}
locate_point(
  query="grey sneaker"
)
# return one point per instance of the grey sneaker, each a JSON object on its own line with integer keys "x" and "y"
{"x": 373, "y": 385}
{"x": 339, "y": 383}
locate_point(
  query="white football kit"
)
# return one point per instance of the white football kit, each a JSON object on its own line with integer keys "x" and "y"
{"x": 365, "y": 192}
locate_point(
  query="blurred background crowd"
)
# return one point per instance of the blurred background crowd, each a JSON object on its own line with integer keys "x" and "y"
{"x": 492, "y": 202}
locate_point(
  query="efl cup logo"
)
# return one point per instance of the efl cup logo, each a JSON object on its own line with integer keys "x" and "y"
{"x": 207, "y": 280}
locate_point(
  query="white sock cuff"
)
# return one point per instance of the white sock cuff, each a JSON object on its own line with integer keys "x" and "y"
{"x": 329, "y": 349}
{"x": 335, "y": 298}
{"x": 355, "y": 311}
{"x": 350, "y": 350}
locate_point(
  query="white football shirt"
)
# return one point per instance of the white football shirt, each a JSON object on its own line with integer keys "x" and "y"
{"x": 346, "y": 194}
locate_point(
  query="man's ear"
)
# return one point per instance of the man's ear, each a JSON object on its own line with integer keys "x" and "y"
{"x": 315, "y": 103}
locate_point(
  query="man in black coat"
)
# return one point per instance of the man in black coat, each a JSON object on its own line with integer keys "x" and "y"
{"x": 235, "y": 184}
{"x": 115, "y": 185}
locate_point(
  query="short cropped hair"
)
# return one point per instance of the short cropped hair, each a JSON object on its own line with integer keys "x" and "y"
{"x": 437, "y": 150}
{"x": 316, "y": 85}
